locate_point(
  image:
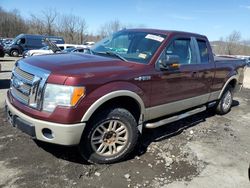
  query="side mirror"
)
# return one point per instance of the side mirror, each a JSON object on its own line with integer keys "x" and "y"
{"x": 170, "y": 62}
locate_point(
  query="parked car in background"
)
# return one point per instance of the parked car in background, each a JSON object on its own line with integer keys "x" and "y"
{"x": 6, "y": 41}
{"x": 25, "y": 42}
{"x": 67, "y": 50}
{"x": 61, "y": 48}
{"x": 88, "y": 44}
{"x": 50, "y": 48}
{"x": 41, "y": 51}
{"x": 2, "y": 53}
{"x": 1, "y": 43}
{"x": 65, "y": 46}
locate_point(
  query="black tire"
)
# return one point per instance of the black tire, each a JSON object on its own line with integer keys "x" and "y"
{"x": 2, "y": 54}
{"x": 225, "y": 102}
{"x": 128, "y": 123}
{"x": 14, "y": 53}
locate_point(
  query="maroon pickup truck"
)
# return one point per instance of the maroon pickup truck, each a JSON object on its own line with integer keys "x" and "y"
{"x": 135, "y": 79}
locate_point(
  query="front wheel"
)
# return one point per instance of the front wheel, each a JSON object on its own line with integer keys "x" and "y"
{"x": 110, "y": 137}
{"x": 225, "y": 102}
{"x": 14, "y": 53}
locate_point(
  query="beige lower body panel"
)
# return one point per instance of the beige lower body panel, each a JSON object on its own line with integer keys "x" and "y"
{"x": 174, "y": 107}
{"x": 64, "y": 134}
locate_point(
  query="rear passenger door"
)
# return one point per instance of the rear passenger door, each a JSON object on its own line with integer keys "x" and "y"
{"x": 205, "y": 65}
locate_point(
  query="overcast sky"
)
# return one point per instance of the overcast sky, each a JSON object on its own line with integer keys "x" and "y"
{"x": 214, "y": 18}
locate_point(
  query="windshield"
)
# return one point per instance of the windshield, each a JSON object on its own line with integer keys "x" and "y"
{"x": 14, "y": 41}
{"x": 129, "y": 45}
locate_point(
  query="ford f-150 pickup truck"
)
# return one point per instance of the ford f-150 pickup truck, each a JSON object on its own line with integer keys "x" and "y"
{"x": 134, "y": 79}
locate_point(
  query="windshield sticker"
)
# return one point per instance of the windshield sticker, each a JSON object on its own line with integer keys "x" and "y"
{"x": 143, "y": 56}
{"x": 154, "y": 37}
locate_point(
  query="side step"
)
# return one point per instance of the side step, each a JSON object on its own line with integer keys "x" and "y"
{"x": 175, "y": 118}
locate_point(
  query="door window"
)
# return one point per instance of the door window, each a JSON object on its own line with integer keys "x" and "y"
{"x": 20, "y": 41}
{"x": 204, "y": 56}
{"x": 182, "y": 49}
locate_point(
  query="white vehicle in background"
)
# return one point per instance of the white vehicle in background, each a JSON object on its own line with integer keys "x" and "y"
{"x": 47, "y": 49}
{"x": 88, "y": 44}
{"x": 65, "y": 46}
{"x": 41, "y": 51}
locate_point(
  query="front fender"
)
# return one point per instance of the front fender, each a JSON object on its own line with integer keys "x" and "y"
{"x": 110, "y": 91}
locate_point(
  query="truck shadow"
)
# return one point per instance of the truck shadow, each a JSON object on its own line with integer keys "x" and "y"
{"x": 175, "y": 128}
{"x": 149, "y": 135}
{"x": 5, "y": 84}
{"x": 62, "y": 152}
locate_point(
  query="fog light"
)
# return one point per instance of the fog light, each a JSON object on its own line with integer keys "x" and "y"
{"x": 47, "y": 133}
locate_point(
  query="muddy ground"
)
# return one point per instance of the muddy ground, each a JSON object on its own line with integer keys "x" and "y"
{"x": 205, "y": 150}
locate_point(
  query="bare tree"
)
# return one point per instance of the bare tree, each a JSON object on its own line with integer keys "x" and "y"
{"x": 36, "y": 25}
{"x": 72, "y": 28}
{"x": 44, "y": 23}
{"x": 233, "y": 41}
{"x": 68, "y": 27}
{"x": 11, "y": 23}
{"x": 49, "y": 17}
{"x": 231, "y": 45}
{"x": 109, "y": 28}
{"x": 82, "y": 28}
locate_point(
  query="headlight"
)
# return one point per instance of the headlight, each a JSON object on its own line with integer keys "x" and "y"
{"x": 60, "y": 95}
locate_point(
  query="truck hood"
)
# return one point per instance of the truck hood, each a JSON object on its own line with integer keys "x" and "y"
{"x": 76, "y": 64}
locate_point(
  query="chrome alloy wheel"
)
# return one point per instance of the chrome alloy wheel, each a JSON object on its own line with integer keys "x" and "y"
{"x": 109, "y": 138}
{"x": 227, "y": 101}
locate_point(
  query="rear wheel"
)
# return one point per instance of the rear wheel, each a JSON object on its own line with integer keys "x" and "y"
{"x": 110, "y": 137}
{"x": 225, "y": 102}
{"x": 14, "y": 53}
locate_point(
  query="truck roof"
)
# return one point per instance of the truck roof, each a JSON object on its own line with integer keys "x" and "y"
{"x": 166, "y": 32}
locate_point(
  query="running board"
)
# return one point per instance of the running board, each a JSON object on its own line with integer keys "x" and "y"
{"x": 175, "y": 118}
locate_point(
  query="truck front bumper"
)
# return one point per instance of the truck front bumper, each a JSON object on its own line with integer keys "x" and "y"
{"x": 56, "y": 133}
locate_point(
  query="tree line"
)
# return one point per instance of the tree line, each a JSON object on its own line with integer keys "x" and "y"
{"x": 50, "y": 22}
{"x": 233, "y": 44}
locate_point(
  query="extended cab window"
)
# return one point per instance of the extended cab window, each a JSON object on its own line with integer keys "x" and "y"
{"x": 181, "y": 48}
{"x": 204, "y": 56}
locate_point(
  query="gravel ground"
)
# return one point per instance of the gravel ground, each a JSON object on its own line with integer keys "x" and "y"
{"x": 205, "y": 150}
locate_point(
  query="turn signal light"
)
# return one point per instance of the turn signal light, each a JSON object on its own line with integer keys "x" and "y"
{"x": 77, "y": 94}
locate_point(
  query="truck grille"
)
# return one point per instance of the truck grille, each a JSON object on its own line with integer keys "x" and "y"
{"x": 27, "y": 83}
{"x": 19, "y": 95}
{"x": 24, "y": 74}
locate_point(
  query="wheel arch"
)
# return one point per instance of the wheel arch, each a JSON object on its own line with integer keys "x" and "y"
{"x": 114, "y": 98}
{"x": 15, "y": 49}
{"x": 231, "y": 81}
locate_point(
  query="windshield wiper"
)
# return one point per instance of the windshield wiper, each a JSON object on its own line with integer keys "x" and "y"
{"x": 116, "y": 55}
{"x": 113, "y": 54}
